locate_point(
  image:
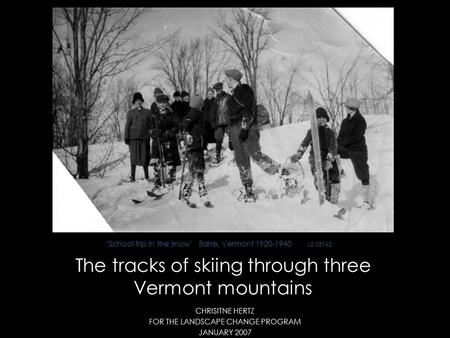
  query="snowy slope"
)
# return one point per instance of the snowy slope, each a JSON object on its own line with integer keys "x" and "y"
{"x": 269, "y": 213}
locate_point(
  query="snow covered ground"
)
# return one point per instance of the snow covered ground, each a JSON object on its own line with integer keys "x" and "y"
{"x": 269, "y": 213}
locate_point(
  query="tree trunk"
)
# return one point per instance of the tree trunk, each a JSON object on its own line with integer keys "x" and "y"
{"x": 83, "y": 150}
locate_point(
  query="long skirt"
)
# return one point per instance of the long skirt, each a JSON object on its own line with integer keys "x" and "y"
{"x": 140, "y": 152}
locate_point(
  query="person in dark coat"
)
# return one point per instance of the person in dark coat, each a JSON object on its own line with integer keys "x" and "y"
{"x": 193, "y": 129}
{"x": 352, "y": 145}
{"x": 209, "y": 110}
{"x": 328, "y": 155}
{"x": 137, "y": 136}
{"x": 163, "y": 130}
{"x": 221, "y": 119}
{"x": 244, "y": 134}
{"x": 179, "y": 108}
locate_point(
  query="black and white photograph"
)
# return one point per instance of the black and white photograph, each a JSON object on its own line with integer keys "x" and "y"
{"x": 224, "y": 119}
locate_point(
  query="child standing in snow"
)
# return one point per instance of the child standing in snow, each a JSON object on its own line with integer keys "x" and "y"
{"x": 164, "y": 150}
{"x": 329, "y": 155}
{"x": 193, "y": 129}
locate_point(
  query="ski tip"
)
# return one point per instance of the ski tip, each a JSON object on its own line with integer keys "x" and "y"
{"x": 135, "y": 201}
{"x": 341, "y": 213}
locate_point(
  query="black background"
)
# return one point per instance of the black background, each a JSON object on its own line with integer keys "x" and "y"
{"x": 340, "y": 302}
{"x": 107, "y": 304}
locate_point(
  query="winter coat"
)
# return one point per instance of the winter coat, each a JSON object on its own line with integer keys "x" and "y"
{"x": 351, "y": 135}
{"x": 223, "y": 112}
{"x": 327, "y": 141}
{"x": 167, "y": 128}
{"x": 138, "y": 124}
{"x": 209, "y": 109}
{"x": 154, "y": 108}
{"x": 242, "y": 105}
{"x": 180, "y": 109}
{"x": 193, "y": 124}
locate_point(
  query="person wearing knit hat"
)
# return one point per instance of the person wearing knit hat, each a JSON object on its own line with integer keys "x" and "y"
{"x": 137, "y": 137}
{"x": 193, "y": 129}
{"x": 196, "y": 101}
{"x": 157, "y": 92}
{"x": 322, "y": 113}
{"x": 352, "y": 145}
{"x": 176, "y": 95}
{"x": 328, "y": 153}
{"x": 244, "y": 134}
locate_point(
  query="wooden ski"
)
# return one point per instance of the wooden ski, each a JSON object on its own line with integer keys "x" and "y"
{"x": 316, "y": 148}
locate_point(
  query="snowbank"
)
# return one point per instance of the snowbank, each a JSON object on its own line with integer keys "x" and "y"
{"x": 269, "y": 213}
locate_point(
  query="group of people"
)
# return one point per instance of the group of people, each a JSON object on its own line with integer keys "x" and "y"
{"x": 192, "y": 122}
{"x": 350, "y": 144}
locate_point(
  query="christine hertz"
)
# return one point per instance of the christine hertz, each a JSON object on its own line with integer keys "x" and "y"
{"x": 224, "y": 310}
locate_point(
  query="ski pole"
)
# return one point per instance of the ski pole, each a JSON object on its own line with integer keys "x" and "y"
{"x": 182, "y": 171}
{"x": 161, "y": 162}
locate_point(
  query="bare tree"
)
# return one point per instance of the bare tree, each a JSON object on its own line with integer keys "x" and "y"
{"x": 246, "y": 35}
{"x": 215, "y": 60}
{"x": 121, "y": 97}
{"x": 196, "y": 57}
{"x": 98, "y": 46}
{"x": 189, "y": 65}
{"x": 278, "y": 90}
{"x": 332, "y": 82}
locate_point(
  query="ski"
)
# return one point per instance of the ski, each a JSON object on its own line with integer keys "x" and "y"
{"x": 316, "y": 148}
{"x": 340, "y": 214}
{"x": 152, "y": 194}
{"x": 366, "y": 206}
{"x": 155, "y": 195}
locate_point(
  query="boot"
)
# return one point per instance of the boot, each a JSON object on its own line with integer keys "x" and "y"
{"x": 206, "y": 155}
{"x": 132, "y": 177}
{"x": 187, "y": 191}
{"x": 368, "y": 199}
{"x": 202, "y": 189}
{"x": 248, "y": 196}
{"x": 170, "y": 175}
{"x": 289, "y": 182}
{"x": 157, "y": 176}
{"x": 217, "y": 159}
{"x": 334, "y": 192}
{"x": 204, "y": 195}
